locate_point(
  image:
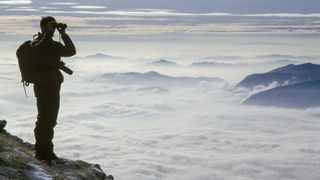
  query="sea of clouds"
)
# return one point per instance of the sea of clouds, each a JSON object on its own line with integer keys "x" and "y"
{"x": 167, "y": 131}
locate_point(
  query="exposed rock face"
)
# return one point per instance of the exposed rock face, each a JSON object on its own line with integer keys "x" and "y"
{"x": 17, "y": 162}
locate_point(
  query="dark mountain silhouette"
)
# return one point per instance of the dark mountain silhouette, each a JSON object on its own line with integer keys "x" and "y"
{"x": 281, "y": 56}
{"x": 153, "y": 78}
{"x": 154, "y": 89}
{"x": 299, "y": 95}
{"x": 289, "y": 74}
{"x": 98, "y": 56}
{"x": 163, "y": 62}
{"x": 213, "y": 64}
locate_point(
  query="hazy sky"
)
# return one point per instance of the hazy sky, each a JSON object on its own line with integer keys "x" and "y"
{"x": 141, "y": 17}
{"x": 229, "y": 6}
{"x": 171, "y": 29}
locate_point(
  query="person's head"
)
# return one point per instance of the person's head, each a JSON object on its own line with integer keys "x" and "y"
{"x": 46, "y": 25}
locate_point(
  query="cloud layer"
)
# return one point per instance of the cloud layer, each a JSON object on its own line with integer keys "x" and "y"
{"x": 195, "y": 132}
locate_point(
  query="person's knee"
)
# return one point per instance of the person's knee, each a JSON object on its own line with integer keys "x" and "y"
{"x": 46, "y": 124}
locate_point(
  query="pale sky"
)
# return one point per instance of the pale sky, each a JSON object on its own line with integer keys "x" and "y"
{"x": 227, "y": 6}
{"x": 149, "y": 17}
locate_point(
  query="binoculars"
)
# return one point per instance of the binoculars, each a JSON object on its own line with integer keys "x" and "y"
{"x": 59, "y": 25}
{"x": 65, "y": 68}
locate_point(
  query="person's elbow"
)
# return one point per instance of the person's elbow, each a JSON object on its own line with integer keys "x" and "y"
{"x": 73, "y": 52}
{"x": 70, "y": 53}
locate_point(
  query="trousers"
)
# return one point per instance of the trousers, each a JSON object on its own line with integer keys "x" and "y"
{"x": 48, "y": 103}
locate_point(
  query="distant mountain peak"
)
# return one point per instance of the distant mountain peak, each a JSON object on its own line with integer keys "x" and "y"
{"x": 163, "y": 62}
{"x": 100, "y": 56}
{"x": 206, "y": 64}
{"x": 283, "y": 68}
{"x": 153, "y": 78}
{"x": 152, "y": 73}
{"x": 309, "y": 65}
{"x": 297, "y": 68}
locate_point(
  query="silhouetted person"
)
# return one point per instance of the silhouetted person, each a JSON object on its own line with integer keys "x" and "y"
{"x": 48, "y": 54}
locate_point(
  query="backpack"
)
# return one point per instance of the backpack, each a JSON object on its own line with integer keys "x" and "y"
{"x": 27, "y": 64}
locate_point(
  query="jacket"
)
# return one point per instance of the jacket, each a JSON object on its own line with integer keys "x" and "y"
{"x": 47, "y": 54}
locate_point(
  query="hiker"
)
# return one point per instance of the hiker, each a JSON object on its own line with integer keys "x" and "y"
{"x": 47, "y": 82}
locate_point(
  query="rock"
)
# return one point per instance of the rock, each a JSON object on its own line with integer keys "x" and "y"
{"x": 78, "y": 169}
{"x": 17, "y": 162}
{"x": 3, "y": 178}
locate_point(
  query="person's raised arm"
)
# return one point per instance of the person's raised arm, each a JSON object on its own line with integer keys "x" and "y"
{"x": 68, "y": 49}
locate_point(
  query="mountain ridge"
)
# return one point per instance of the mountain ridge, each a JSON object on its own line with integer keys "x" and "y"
{"x": 163, "y": 62}
{"x": 153, "y": 78}
{"x": 289, "y": 74}
{"x": 301, "y": 95}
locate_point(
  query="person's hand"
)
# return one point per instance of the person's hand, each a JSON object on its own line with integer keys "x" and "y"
{"x": 62, "y": 31}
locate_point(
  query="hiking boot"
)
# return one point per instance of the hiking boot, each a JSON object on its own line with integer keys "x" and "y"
{"x": 109, "y": 177}
{"x": 53, "y": 156}
{"x": 43, "y": 159}
{"x": 40, "y": 157}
